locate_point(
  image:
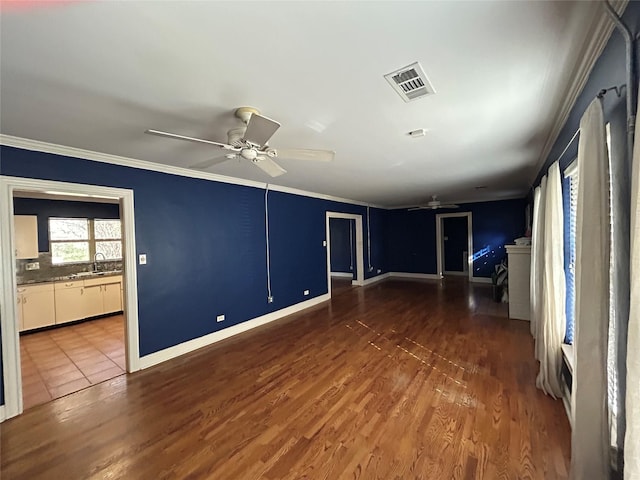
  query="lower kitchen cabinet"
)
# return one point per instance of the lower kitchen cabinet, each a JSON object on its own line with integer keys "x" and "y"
{"x": 35, "y": 306}
{"x": 70, "y": 301}
{"x": 43, "y": 304}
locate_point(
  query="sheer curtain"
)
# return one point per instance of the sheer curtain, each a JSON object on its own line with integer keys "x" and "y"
{"x": 590, "y": 454}
{"x": 536, "y": 254}
{"x": 539, "y": 266}
{"x": 632, "y": 434}
{"x": 552, "y": 321}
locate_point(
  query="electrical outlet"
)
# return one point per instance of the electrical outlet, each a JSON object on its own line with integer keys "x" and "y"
{"x": 32, "y": 266}
{"x": 142, "y": 259}
{"x": 306, "y": 292}
{"x": 324, "y": 243}
{"x": 220, "y": 318}
{"x": 269, "y": 299}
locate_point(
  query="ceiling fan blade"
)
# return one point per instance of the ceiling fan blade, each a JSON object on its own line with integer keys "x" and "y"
{"x": 191, "y": 139}
{"x": 268, "y": 166}
{"x": 449, "y": 206}
{"x": 260, "y": 129}
{"x": 210, "y": 163}
{"x": 305, "y": 154}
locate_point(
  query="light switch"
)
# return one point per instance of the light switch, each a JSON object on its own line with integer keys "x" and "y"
{"x": 142, "y": 259}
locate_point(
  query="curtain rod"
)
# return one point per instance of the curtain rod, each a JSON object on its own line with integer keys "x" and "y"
{"x": 600, "y": 95}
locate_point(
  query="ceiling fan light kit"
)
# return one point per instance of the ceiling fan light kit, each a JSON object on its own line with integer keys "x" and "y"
{"x": 434, "y": 204}
{"x": 250, "y": 143}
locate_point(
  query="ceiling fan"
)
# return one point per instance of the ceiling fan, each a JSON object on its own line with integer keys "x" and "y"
{"x": 434, "y": 204}
{"x": 249, "y": 142}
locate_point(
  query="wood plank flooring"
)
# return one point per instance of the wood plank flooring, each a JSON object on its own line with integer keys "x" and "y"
{"x": 67, "y": 359}
{"x": 397, "y": 380}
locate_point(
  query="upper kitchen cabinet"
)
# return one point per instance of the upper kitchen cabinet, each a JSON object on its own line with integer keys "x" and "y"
{"x": 26, "y": 236}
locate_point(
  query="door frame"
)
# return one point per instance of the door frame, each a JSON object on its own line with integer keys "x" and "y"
{"x": 359, "y": 273}
{"x": 8, "y": 286}
{"x": 440, "y": 241}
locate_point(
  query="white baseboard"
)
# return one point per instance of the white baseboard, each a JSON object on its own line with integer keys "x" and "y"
{"x": 424, "y": 276}
{"x": 197, "y": 343}
{"x": 376, "y": 279}
{"x": 481, "y": 280}
{"x": 460, "y": 274}
{"x": 342, "y": 274}
{"x": 3, "y": 415}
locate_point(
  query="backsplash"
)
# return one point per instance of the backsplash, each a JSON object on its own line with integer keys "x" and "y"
{"x": 48, "y": 271}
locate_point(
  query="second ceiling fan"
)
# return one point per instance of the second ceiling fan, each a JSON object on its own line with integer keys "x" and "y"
{"x": 250, "y": 143}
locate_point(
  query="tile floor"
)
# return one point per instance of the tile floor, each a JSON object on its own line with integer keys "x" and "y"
{"x": 64, "y": 360}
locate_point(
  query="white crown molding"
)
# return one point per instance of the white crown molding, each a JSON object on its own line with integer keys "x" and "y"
{"x": 588, "y": 56}
{"x": 200, "y": 342}
{"x": 46, "y": 147}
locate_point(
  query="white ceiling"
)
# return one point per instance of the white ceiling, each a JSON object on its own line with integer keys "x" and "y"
{"x": 96, "y": 75}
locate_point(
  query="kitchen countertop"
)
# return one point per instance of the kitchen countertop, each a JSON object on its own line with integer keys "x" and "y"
{"x": 72, "y": 277}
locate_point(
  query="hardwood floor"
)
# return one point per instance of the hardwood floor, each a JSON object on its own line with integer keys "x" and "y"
{"x": 64, "y": 360}
{"x": 398, "y": 380}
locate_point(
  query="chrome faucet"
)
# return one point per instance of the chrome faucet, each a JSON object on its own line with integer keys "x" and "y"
{"x": 95, "y": 260}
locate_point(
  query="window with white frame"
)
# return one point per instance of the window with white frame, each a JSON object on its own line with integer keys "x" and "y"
{"x": 572, "y": 174}
{"x": 78, "y": 240}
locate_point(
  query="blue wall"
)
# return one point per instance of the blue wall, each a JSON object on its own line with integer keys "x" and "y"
{"x": 455, "y": 243}
{"x": 205, "y": 243}
{"x": 60, "y": 208}
{"x": 411, "y": 236}
{"x": 343, "y": 245}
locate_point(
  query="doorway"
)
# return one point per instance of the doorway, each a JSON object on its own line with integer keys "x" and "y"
{"x": 343, "y": 253}
{"x": 454, "y": 244}
{"x": 341, "y": 235}
{"x": 10, "y": 309}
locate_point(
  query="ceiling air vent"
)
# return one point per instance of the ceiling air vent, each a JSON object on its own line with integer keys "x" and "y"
{"x": 410, "y": 82}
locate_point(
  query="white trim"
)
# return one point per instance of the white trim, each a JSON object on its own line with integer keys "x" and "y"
{"x": 592, "y": 50}
{"x": 376, "y": 279}
{"x": 440, "y": 241}
{"x": 457, "y": 274}
{"x": 572, "y": 169}
{"x": 342, "y": 275}
{"x": 420, "y": 276}
{"x": 35, "y": 145}
{"x": 358, "y": 279}
{"x": 567, "y": 407}
{"x": 2, "y": 414}
{"x": 10, "y": 338}
{"x": 569, "y": 354}
{"x": 480, "y": 280}
{"x": 200, "y": 342}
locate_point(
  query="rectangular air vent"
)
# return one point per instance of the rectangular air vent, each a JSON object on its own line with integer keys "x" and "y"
{"x": 410, "y": 82}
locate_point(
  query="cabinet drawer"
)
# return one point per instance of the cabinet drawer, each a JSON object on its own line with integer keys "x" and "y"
{"x": 68, "y": 284}
{"x": 36, "y": 288}
{"x": 90, "y": 282}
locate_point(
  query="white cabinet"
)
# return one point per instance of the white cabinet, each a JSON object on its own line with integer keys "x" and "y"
{"x": 26, "y": 236}
{"x": 35, "y": 306}
{"x": 519, "y": 280}
{"x": 103, "y": 295}
{"x": 70, "y": 301}
{"x": 112, "y": 297}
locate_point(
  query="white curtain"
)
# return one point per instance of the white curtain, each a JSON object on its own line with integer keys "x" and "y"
{"x": 536, "y": 255}
{"x": 552, "y": 322}
{"x": 632, "y": 434}
{"x": 539, "y": 267}
{"x": 590, "y": 446}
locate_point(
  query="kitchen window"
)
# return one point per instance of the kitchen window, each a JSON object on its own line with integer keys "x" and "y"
{"x": 79, "y": 240}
